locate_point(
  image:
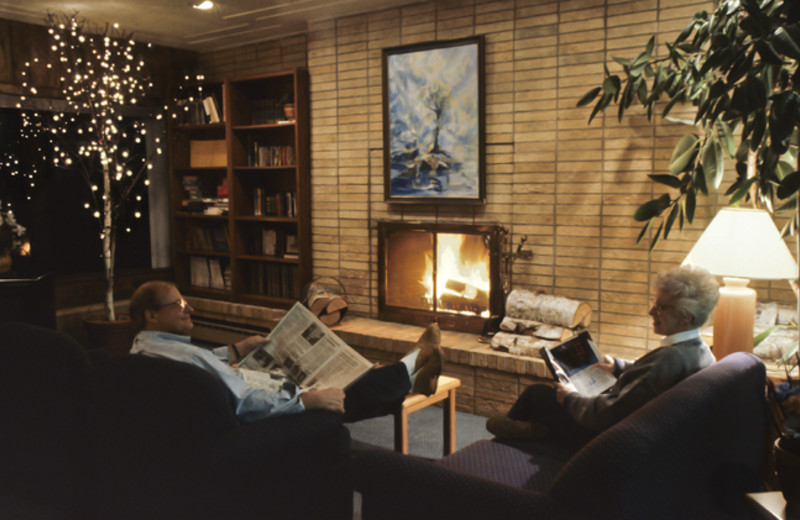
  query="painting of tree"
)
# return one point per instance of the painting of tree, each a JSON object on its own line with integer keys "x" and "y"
{"x": 433, "y": 122}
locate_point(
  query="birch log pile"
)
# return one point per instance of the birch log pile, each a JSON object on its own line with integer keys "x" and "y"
{"x": 328, "y": 306}
{"x": 534, "y": 320}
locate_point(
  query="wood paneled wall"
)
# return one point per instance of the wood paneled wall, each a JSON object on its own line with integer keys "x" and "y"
{"x": 570, "y": 187}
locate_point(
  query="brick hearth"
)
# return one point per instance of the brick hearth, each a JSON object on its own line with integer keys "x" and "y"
{"x": 490, "y": 381}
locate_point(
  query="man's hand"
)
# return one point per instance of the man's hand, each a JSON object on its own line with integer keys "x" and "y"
{"x": 563, "y": 390}
{"x": 245, "y": 346}
{"x": 331, "y": 399}
{"x": 607, "y": 364}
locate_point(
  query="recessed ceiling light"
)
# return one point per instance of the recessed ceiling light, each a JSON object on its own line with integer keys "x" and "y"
{"x": 206, "y": 5}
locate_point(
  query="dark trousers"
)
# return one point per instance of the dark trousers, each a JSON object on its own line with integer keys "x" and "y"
{"x": 538, "y": 403}
{"x": 379, "y": 392}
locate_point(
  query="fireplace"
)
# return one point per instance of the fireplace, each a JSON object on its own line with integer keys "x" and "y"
{"x": 444, "y": 272}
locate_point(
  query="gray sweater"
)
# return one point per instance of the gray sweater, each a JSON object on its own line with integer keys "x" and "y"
{"x": 638, "y": 382}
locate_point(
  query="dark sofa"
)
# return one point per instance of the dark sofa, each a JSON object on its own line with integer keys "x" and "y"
{"x": 93, "y": 436}
{"x": 690, "y": 453}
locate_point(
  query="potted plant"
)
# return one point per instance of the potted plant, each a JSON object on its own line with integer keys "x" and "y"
{"x": 738, "y": 67}
{"x": 95, "y": 130}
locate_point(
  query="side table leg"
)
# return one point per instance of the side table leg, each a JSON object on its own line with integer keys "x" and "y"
{"x": 449, "y": 426}
{"x": 401, "y": 432}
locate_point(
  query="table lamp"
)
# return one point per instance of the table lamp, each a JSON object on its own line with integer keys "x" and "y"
{"x": 740, "y": 245}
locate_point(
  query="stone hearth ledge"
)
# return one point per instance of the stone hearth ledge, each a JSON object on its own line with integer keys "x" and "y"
{"x": 459, "y": 348}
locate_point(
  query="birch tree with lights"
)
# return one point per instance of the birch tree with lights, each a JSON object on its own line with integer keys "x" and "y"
{"x": 100, "y": 78}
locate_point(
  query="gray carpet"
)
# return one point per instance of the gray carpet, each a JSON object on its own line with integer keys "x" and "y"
{"x": 424, "y": 431}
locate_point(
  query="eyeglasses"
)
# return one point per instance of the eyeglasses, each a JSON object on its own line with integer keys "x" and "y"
{"x": 181, "y": 303}
{"x": 660, "y": 307}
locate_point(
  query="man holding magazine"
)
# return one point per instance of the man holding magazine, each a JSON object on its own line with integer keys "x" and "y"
{"x": 163, "y": 318}
{"x": 685, "y": 297}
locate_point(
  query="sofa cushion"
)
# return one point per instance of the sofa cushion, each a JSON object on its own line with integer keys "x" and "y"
{"x": 527, "y": 465}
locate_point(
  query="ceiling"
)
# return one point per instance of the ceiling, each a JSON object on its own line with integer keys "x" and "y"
{"x": 175, "y": 23}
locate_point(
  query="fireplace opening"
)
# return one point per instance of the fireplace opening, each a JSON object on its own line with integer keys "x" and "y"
{"x": 444, "y": 272}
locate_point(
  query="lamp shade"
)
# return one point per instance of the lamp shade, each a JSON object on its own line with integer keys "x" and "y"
{"x": 743, "y": 243}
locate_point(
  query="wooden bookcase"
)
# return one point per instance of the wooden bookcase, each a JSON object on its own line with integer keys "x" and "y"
{"x": 240, "y": 191}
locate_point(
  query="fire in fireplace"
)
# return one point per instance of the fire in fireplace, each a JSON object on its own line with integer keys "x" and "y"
{"x": 444, "y": 272}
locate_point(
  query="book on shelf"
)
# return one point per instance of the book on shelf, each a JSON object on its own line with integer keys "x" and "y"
{"x": 274, "y": 279}
{"x": 292, "y": 249}
{"x": 211, "y": 108}
{"x": 208, "y": 238}
{"x": 305, "y": 350}
{"x": 269, "y": 242}
{"x": 575, "y": 361}
{"x": 271, "y": 155}
{"x": 208, "y": 273}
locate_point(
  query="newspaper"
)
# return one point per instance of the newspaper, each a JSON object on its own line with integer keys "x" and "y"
{"x": 306, "y": 351}
{"x": 574, "y": 361}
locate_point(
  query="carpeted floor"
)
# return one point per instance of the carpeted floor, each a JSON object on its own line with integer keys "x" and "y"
{"x": 424, "y": 431}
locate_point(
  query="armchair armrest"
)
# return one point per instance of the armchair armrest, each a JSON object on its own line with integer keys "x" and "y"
{"x": 395, "y": 486}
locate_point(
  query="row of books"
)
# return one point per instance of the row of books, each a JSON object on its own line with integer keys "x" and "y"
{"x": 198, "y": 111}
{"x": 277, "y": 280}
{"x": 208, "y": 238}
{"x": 271, "y": 155}
{"x": 275, "y": 242}
{"x": 283, "y": 204}
{"x": 195, "y": 202}
{"x": 209, "y": 273}
{"x": 207, "y": 205}
{"x": 267, "y": 111}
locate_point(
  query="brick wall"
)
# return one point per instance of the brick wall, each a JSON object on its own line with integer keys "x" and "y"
{"x": 570, "y": 187}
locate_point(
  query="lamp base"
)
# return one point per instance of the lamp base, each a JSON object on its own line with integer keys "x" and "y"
{"x": 734, "y": 317}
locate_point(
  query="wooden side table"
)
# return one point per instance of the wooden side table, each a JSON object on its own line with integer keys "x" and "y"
{"x": 445, "y": 391}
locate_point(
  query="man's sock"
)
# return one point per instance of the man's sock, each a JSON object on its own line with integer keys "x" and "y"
{"x": 410, "y": 361}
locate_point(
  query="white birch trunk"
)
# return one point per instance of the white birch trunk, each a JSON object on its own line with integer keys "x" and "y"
{"x": 552, "y": 310}
{"x": 108, "y": 240}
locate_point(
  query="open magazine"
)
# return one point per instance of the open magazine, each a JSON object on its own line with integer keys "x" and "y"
{"x": 304, "y": 350}
{"x": 573, "y": 361}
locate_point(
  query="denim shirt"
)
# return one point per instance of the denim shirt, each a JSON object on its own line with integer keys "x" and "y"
{"x": 251, "y": 403}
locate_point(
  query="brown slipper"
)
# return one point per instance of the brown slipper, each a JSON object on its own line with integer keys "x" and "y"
{"x": 427, "y": 378}
{"x": 428, "y": 344}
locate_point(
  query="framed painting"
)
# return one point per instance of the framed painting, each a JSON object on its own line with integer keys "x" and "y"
{"x": 433, "y": 129}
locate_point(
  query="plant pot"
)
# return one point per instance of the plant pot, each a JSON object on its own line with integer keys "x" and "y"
{"x": 787, "y": 466}
{"x": 288, "y": 111}
{"x": 114, "y": 336}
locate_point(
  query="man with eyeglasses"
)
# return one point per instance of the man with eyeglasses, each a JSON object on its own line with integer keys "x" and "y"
{"x": 685, "y": 297}
{"x": 163, "y": 318}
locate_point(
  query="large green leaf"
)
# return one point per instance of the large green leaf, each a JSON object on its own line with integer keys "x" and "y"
{"x": 690, "y": 205}
{"x": 589, "y": 96}
{"x": 612, "y": 84}
{"x": 741, "y": 191}
{"x": 786, "y": 43}
{"x": 713, "y": 162}
{"x": 643, "y": 232}
{"x": 726, "y": 138}
{"x": 683, "y": 153}
{"x": 668, "y": 180}
{"x": 652, "y": 208}
{"x": 671, "y": 220}
{"x": 789, "y": 185}
{"x": 656, "y": 236}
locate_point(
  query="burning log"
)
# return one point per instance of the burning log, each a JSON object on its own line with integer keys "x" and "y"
{"x": 553, "y": 310}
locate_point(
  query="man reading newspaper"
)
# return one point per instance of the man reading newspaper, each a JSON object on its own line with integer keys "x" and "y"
{"x": 163, "y": 318}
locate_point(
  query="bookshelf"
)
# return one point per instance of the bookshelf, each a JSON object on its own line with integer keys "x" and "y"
{"x": 240, "y": 190}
